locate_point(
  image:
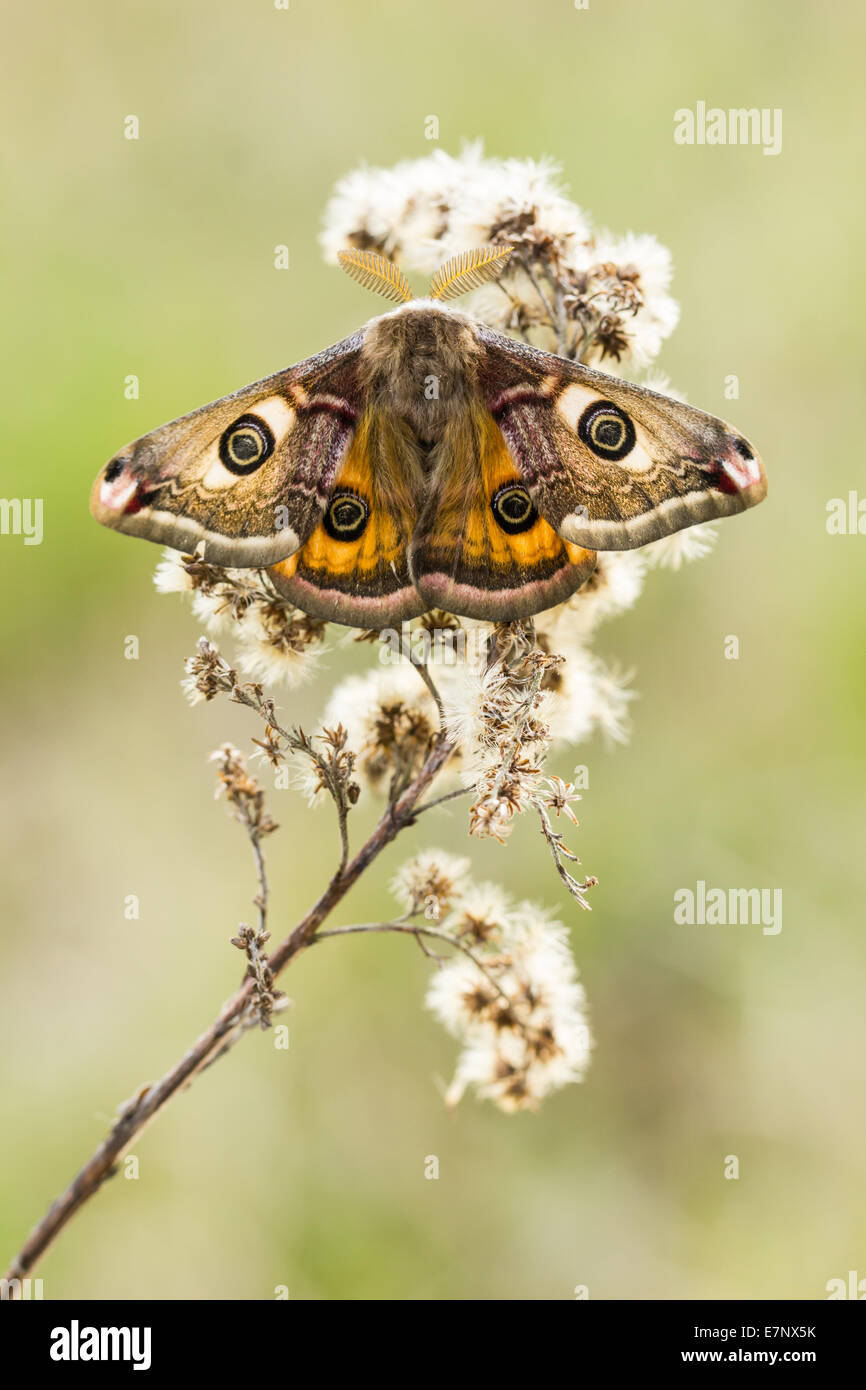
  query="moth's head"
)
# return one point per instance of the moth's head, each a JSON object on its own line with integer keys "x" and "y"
{"x": 421, "y": 360}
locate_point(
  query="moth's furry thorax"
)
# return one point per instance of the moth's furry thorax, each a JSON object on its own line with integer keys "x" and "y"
{"x": 421, "y": 361}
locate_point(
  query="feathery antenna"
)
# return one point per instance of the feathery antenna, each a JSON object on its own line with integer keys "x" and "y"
{"x": 377, "y": 273}
{"x": 467, "y": 271}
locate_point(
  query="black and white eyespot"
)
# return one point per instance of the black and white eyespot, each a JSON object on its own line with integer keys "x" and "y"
{"x": 513, "y": 508}
{"x": 246, "y": 444}
{"x": 606, "y": 430}
{"x": 347, "y": 516}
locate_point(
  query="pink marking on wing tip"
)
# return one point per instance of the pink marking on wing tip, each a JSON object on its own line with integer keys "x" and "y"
{"x": 741, "y": 471}
{"x": 122, "y": 494}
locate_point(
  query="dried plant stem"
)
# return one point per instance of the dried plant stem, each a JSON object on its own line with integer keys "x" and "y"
{"x": 235, "y": 1018}
{"x": 511, "y": 751}
{"x": 424, "y": 672}
{"x": 252, "y": 698}
{"x": 440, "y": 800}
{"x": 556, "y": 317}
{"x": 417, "y": 930}
{"x": 560, "y": 851}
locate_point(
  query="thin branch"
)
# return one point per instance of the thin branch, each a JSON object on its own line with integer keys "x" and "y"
{"x": 515, "y": 322}
{"x": 536, "y": 285}
{"x": 334, "y": 769}
{"x": 261, "y": 898}
{"x": 560, "y": 851}
{"x": 561, "y": 320}
{"x": 416, "y": 930}
{"x": 424, "y": 672}
{"x": 234, "y": 1019}
{"x": 440, "y": 800}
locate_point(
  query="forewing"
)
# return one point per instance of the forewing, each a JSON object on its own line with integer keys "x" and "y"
{"x": 249, "y": 475}
{"x": 611, "y": 465}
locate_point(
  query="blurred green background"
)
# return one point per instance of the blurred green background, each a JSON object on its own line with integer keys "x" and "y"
{"x": 155, "y": 257}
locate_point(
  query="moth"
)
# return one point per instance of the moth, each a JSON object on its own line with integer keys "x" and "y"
{"x": 428, "y": 462}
